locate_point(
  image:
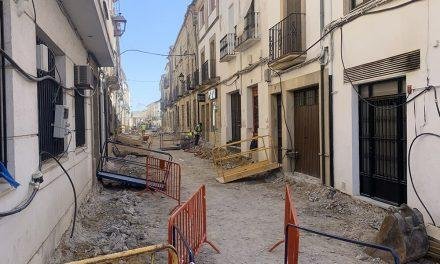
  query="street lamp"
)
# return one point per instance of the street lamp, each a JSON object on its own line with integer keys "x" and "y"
{"x": 119, "y": 23}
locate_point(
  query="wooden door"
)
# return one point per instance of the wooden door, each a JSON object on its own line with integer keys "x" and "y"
{"x": 236, "y": 116}
{"x": 306, "y": 133}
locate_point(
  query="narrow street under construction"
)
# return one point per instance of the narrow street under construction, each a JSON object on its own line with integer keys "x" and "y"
{"x": 244, "y": 218}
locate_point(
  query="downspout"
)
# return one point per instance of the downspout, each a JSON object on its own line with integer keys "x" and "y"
{"x": 330, "y": 111}
{"x": 323, "y": 152}
{"x": 3, "y": 84}
{"x": 323, "y": 155}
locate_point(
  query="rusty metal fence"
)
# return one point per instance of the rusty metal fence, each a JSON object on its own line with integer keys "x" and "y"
{"x": 291, "y": 235}
{"x": 164, "y": 176}
{"x": 187, "y": 227}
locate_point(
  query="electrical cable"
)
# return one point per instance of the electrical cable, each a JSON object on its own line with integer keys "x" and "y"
{"x": 410, "y": 171}
{"x": 25, "y": 204}
{"x": 23, "y": 72}
{"x": 156, "y": 54}
{"x": 436, "y": 101}
{"x": 35, "y": 13}
{"x": 71, "y": 184}
{"x": 284, "y": 116}
{"x": 425, "y": 89}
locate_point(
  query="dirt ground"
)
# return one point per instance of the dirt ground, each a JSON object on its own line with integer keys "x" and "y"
{"x": 245, "y": 218}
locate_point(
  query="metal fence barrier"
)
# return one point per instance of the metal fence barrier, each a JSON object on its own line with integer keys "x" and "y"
{"x": 164, "y": 176}
{"x": 190, "y": 220}
{"x": 291, "y": 235}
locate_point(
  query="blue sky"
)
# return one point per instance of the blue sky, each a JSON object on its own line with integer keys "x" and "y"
{"x": 152, "y": 26}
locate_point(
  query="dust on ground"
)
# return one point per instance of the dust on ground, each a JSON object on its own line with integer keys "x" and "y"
{"x": 245, "y": 218}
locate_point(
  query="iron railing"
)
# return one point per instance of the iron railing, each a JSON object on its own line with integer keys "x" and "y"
{"x": 286, "y": 36}
{"x": 189, "y": 84}
{"x": 196, "y": 77}
{"x": 227, "y": 45}
{"x": 205, "y": 72}
{"x": 251, "y": 28}
{"x": 49, "y": 95}
{"x": 213, "y": 69}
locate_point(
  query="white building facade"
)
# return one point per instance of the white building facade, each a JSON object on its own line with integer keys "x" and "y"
{"x": 75, "y": 33}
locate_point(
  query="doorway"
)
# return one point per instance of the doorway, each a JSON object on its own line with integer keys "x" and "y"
{"x": 382, "y": 141}
{"x": 255, "y": 117}
{"x": 279, "y": 127}
{"x": 236, "y": 116}
{"x": 306, "y": 133}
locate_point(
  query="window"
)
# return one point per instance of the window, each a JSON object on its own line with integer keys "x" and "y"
{"x": 202, "y": 16}
{"x": 49, "y": 94}
{"x": 212, "y": 4}
{"x": 356, "y": 3}
{"x": 80, "y": 124}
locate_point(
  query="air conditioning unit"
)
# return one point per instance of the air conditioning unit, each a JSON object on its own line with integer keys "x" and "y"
{"x": 84, "y": 77}
{"x": 42, "y": 57}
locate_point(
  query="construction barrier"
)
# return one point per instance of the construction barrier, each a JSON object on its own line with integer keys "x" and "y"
{"x": 244, "y": 158}
{"x": 172, "y": 140}
{"x": 134, "y": 256}
{"x": 164, "y": 176}
{"x": 291, "y": 235}
{"x": 187, "y": 227}
{"x": 126, "y": 164}
{"x": 290, "y": 217}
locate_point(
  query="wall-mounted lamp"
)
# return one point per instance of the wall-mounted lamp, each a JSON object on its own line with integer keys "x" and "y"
{"x": 119, "y": 23}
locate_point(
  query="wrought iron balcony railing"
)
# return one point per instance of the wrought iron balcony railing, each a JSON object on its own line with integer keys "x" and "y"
{"x": 196, "y": 77}
{"x": 286, "y": 37}
{"x": 227, "y": 46}
{"x": 212, "y": 69}
{"x": 205, "y": 72}
{"x": 251, "y": 31}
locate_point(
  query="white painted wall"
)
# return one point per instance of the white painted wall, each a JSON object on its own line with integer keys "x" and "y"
{"x": 32, "y": 235}
{"x": 376, "y": 37}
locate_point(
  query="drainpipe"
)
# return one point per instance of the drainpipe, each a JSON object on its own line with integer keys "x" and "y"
{"x": 322, "y": 126}
{"x": 330, "y": 110}
{"x": 323, "y": 151}
{"x": 3, "y": 84}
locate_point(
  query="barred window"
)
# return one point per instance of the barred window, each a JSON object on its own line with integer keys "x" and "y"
{"x": 49, "y": 94}
{"x": 80, "y": 124}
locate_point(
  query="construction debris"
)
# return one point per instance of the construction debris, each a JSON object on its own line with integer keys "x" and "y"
{"x": 404, "y": 230}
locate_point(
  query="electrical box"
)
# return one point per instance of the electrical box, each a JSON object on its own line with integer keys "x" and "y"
{"x": 42, "y": 57}
{"x": 60, "y": 123}
{"x": 84, "y": 77}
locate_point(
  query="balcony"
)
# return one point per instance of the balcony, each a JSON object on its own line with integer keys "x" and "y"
{"x": 287, "y": 42}
{"x": 205, "y": 72}
{"x": 189, "y": 84}
{"x": 209, "y": 72}
{"x": 227, "y": 47}
{"x": 213, "y": 69}
{"x": 196, "y": 76}
{"x": 251, "y": 32}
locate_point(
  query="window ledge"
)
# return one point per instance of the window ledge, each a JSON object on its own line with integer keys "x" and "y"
{"x": 5, "y": 189}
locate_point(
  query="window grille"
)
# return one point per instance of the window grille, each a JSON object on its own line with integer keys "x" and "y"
{"x": 49, "y": 94}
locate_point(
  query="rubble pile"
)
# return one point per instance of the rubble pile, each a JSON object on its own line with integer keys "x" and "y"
{"x": 112, "y": 221}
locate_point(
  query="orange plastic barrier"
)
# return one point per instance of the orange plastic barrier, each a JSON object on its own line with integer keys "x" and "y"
{"x": 290, "y": 217}
{"x": 164, "y": 176}
{"x": 187, "y": 227}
